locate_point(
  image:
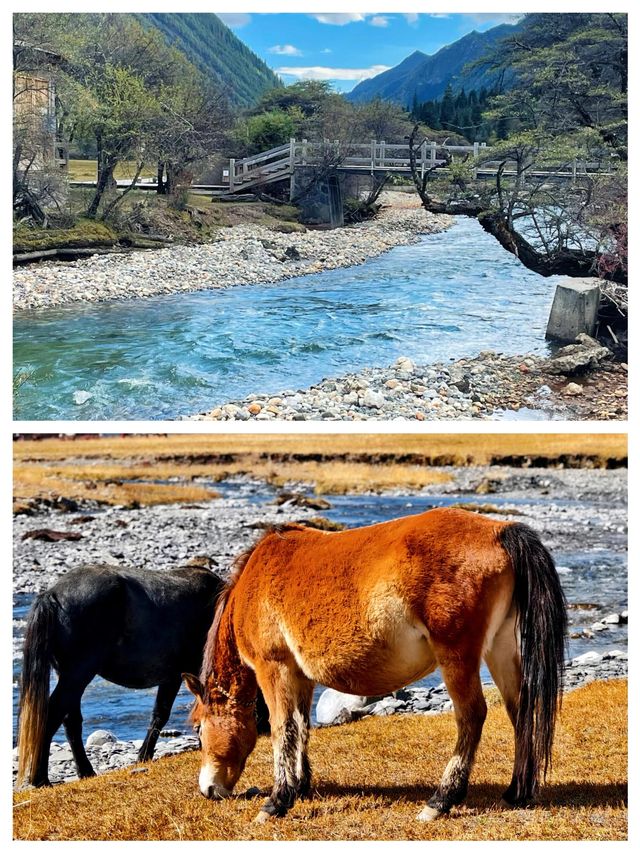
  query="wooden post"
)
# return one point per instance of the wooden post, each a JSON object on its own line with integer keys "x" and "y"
{"x": 373, "y": 155}
{"x": 574, "y": 170}
{"x": 433, "y": 153}
{"x": 292, "y": 167}
{"x": 423, "y": 157}
{"x": 304, "y": 152}
{"x": 383, "y": 153}
{"x": 232, "y": 173}
{"x": 476, "y": 150}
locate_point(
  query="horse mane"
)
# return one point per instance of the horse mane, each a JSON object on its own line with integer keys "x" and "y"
{"x": 238, "y": 567}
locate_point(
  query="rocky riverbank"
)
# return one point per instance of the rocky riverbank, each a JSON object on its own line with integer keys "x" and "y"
{"x": 579, "y": 382}
{"x": 243, "y": 254}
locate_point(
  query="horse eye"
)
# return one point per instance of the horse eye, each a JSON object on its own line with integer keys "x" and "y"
{"x": 196, "y": 729}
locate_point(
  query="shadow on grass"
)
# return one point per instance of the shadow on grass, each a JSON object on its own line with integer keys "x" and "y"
{"x": 486, "y": 796}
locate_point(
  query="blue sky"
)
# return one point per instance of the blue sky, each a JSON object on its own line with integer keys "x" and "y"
{"x": 346, "y": 48}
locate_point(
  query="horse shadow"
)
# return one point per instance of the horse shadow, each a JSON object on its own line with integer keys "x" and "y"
{"x": 485, "y": 796}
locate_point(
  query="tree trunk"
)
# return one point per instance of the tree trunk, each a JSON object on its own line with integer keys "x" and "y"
{"x": 570, "y": 262}
{"x": 162, "y": 187}
{"x": 106, "y": 167}
{"x": 118, "y": 198}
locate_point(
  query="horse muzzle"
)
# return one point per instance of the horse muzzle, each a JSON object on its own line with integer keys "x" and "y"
{"x": 215, "y": 792}
{"x": 210, "y": 786}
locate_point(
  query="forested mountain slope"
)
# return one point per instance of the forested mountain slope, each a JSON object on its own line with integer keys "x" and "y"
{"x": 216, "y": 50}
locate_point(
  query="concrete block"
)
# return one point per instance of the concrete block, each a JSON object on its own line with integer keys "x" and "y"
{"x": 575, "y": 309}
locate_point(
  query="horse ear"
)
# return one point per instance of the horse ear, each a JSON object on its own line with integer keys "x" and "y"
{"x": 193, "y": 683}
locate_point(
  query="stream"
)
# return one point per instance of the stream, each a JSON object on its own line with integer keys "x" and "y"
{"x": 451, "y": 295}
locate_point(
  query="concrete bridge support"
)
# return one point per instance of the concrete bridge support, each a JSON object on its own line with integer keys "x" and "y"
{"x": 574, "y": 309}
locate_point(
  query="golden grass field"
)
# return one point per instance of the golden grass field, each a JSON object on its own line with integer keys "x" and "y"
{"x": 465, "y": 448}
{"x": 331, "y": 464}
{"x": 87, "y": 170}
{"x": 370, "y": 780}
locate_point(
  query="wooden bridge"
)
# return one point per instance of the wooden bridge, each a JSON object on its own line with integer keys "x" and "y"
{"x": 375, "y": 157}
{"x": 370, "y": 158}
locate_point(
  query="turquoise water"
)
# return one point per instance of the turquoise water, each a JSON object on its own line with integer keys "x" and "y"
{"x": 451, "y": 295}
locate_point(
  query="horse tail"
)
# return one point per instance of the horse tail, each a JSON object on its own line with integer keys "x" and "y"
{"x": 34, "y": 686}
{"x": 542, "y": 618}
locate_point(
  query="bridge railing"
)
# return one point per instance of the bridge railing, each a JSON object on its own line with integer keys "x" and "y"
{"x": 270, "y": 162}
{"x": 381, "y": 156}
{"x": 376, "y": 155}
{"x": 372, "y": 156}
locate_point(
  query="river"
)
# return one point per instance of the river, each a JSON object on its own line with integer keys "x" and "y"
{"x": 452, "y": 294}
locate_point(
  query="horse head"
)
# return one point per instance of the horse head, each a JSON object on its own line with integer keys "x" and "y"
{"x": 227, "y": 730}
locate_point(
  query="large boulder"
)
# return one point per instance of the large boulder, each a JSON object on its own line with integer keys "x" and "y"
{"x": 585, "y": 354}
{"x": 101, "y": 737}
{"x": 334, "y": 708}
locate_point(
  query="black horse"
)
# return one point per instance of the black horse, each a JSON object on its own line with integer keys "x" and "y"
{"x": 137, "y": 628}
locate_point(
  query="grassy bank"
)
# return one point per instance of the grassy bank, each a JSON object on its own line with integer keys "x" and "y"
{"x": 119, "y": 470}
{"x": 436, "y": 449}
{"x": 197, "y": 219}
{"x": 370, "y": 780}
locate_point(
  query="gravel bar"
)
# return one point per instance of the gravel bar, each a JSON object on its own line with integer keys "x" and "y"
{"x": 243, "y": 254}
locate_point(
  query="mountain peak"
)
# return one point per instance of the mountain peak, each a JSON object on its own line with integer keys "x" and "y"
{"x": 426, "y": 76}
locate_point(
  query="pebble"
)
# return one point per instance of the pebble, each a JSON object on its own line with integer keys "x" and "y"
{"x": 485, "y": 387}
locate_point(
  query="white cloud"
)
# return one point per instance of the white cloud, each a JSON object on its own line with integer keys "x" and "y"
{"x": 322, "y": 72}
{"x": 496, "y": 18}
{"x": 379, "y": 21}
{"x": 235, "y": 20}
{"x": 411, "y": 17}
{"x": 326, "y": 50}
{"x": 338, "y": 19}
{"x": 439, "y": 15}
{"x": 285, "y": 50}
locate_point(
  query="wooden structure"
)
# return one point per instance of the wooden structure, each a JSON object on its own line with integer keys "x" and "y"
{"x": 376, "y": 157}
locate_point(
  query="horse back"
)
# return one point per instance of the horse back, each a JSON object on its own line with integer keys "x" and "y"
{"x": 134, "y": 625}
{"x": 442, "y": 575}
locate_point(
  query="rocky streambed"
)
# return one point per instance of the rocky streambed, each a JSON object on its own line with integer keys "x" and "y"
{"x": 578, "y": 382}
{"x": 243, "y": 254}
{"x": 581, "y": 515}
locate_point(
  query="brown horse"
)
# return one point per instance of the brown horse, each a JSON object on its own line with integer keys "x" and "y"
{"x": 367, "y": 611}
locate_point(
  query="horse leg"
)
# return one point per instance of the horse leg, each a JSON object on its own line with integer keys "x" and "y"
{"x": 167, "y": 692}
{"x": 73, "y": 727}
{"x": 287, "y": 693}
{"x": 503, "y": 660}
{"x": 60, "y": 702}
{"x": 462, "y": 678}
{"x": 302, "y": 717}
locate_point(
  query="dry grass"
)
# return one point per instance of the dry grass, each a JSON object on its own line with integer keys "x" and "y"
{"x": 332, "y": 464}
{"x": 87, "y": 170}
{"x": 86, "y": 479}
{"x": 371, "y": 778}
{"x": 78, "y": 483}
{"x": 463, "y": 449}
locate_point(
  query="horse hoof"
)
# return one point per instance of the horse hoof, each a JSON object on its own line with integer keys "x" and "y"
{"x": 262, "y": 817}
{"x": 428, "y": 814}
{"x": 250, "y": 793}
